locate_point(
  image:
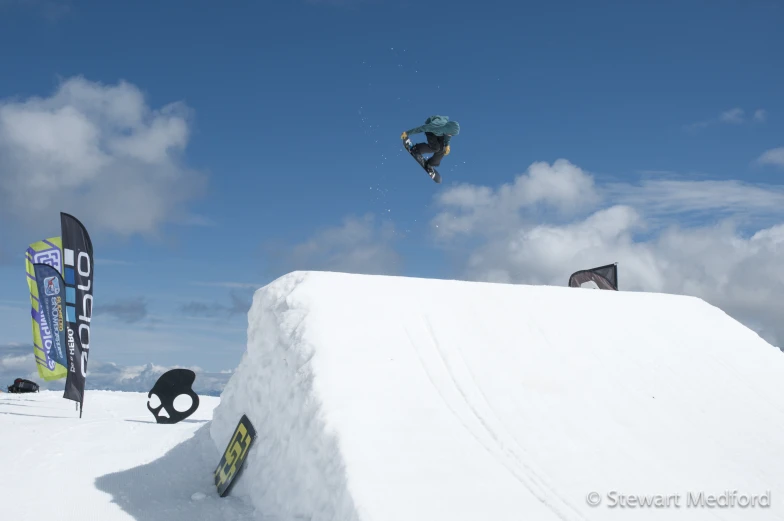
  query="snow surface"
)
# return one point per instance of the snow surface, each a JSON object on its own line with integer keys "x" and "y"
{"x": 387, "y": 399}
{"x": 116, "y": 463}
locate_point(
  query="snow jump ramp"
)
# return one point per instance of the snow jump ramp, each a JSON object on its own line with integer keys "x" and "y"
{"x": 400, "y": 399}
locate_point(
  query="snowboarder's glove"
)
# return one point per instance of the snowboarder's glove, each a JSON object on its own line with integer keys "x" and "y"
{"x": 403, "y": 136}
{"x": 446, "y": 150}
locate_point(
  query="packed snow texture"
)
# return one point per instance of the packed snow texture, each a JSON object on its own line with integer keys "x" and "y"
{"x": 387, "y": 398}
{"x": 114, "y": 464}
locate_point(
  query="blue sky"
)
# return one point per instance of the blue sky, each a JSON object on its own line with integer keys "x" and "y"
{"x": 282, "y": 151}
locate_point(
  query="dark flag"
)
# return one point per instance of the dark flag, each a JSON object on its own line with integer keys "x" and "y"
{"x": 78, "y": 277}
{"x": 606, "y": 277}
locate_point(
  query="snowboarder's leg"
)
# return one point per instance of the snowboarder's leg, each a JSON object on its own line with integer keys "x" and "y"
{"x": 436, "y": 143}
{"x": 433, "y": 145}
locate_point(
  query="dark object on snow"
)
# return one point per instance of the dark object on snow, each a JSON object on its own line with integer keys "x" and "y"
{"x": 234, "y": 456}
{"x": 169, "y": 386}
{"x": 21, "y": 385}
{"x": 606, "y": 277}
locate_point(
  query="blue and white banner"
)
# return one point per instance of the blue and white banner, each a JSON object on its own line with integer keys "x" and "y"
{"x": 51, "y": 293}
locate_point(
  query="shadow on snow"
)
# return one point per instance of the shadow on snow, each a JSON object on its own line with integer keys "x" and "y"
{"x": 162, "y": 490}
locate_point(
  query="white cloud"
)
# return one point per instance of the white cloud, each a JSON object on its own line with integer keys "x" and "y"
{"x": 774, "y": 156}
{"x": 13, "y": 364}
{"x": 100, "y": 152}
{"x": 699, "y": 199}
{"x": 230, "y": 285}
{"x": 642, "y": 228}
{"x": 17, "y": 361}
{"x": 562, "y": 187}
{"x": 141, "y": 378}
{"x": 359, "y": 245}
{"x": 732, "y": 116}
{"x": 570, "y": 191}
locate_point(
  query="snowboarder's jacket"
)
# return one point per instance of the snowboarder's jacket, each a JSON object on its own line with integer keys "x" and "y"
{"x": 440, "y": 126}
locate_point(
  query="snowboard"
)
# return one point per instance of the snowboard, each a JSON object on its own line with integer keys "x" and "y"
{"x": 432, "y": 172}
{"x": 234, "y": 456}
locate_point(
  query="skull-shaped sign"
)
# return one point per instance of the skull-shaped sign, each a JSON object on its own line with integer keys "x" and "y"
{"x": 169, "y": 386}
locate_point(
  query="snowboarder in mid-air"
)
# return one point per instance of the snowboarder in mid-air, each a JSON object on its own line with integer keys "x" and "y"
{"x": 439, "y": 131}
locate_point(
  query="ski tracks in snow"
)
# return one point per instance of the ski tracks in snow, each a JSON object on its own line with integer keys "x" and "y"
{"x": 452, "y": 378}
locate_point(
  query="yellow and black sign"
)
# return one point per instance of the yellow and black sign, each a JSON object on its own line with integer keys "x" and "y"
{"x": 234, "y": 456}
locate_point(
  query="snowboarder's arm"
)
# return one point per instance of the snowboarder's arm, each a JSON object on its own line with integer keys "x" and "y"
{"x": 427, "y": 127}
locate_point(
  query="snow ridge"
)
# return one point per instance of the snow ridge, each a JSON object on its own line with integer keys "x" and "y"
{"x": 396, "y": 398}
{"x": 295, "y": 469}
